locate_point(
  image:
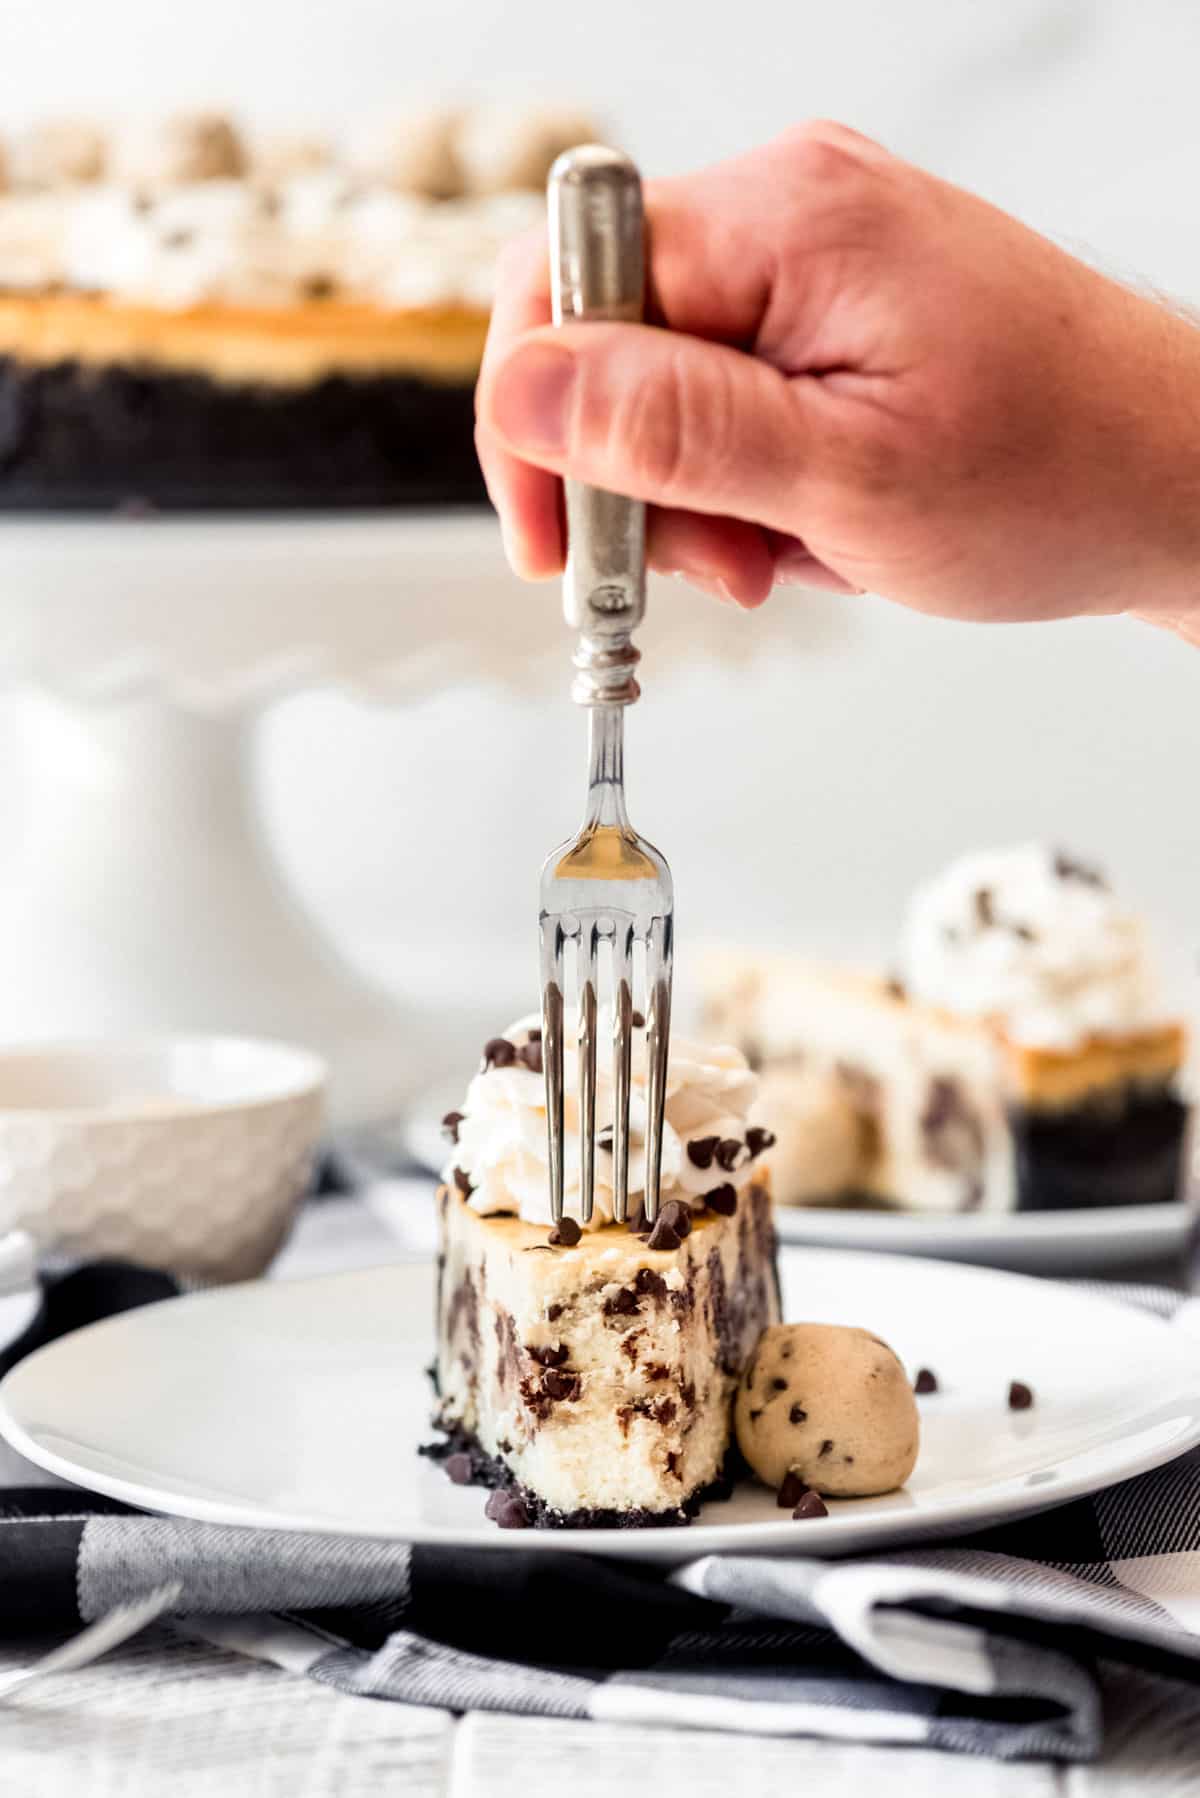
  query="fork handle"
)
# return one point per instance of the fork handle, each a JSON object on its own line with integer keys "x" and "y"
{"x": 598, "y": 271}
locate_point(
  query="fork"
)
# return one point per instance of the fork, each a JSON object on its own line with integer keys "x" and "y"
{"x": 606, "y": 889}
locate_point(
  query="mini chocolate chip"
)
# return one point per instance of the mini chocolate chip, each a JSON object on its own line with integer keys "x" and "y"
{"x": 558, "y": 1384}
{"x": 604, "y": 1140}
{"x": 459, "y": 1469}
{"x": 729, "y": 1152}
{"x": 895, "y": 988}
{"x": 722, "y": 1200}
{"x": 792, "y": 1490}
{"x": 755, "y": 1415}
{"x": 320, "y": 287}
{"x": 553, "y": 1313}
{"x": 985, "y": 909}
{"x": 638, "y": 1020}
{"x": 623, "y": 1303}
{"x": 534, "y": 1035}
{"x": 680, "y": 1215}
{"x": 565, "y": 1234}
{"x": 498, "y": 1052}
{"x": 463, "y": 1182}
{"x": 648, "y": 1281}
{"x": 547, "y": 1354}
{"x": 826, "y": 1447}
{"x": 1020, "y": 1396}
{"x": 758, "y": 1139}
{"x": 797, "y": 1414}
{"x": 1067, "y": 868}
{"x": 811, "y": 1505}
{"x": 531, "y": 1056}
{"x": 926, "y": 1380}
{"x": 506, "y": 1509}
{"x": 450, "y": 1124}
{"x": 778, "y": 1385}
{"x": 664, "y": 1234}
{"x": 700, "y": 1152}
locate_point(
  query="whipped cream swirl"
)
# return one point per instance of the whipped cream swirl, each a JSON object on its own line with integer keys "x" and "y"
{"x": 501, "y": 1145}
{"x": 1034, "y": 941}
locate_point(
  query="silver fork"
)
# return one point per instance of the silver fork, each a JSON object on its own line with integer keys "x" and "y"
{"x": 606, "y": 888}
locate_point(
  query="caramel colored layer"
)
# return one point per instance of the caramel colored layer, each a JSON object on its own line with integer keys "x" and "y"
{"x": 287, "y": 346}
{"x": 1053, "y": 1079}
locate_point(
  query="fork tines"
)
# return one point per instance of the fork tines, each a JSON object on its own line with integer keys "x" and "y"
{"x": 619, "y": 933}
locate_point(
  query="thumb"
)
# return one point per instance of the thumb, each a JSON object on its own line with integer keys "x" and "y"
{"x": 654, "y": 414}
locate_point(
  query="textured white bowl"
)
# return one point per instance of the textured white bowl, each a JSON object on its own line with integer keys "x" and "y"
{"x": 184, "y": 1153}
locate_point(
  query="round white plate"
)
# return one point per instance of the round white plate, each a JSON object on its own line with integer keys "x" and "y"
{"x": 1030, "y": 1241}
{"x": 301, "y": 1405}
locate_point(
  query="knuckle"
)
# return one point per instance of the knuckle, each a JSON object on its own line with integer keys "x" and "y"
{"x": 822, "y": 150}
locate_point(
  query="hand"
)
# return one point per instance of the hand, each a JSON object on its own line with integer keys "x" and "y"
{"x": 869, "y": 380}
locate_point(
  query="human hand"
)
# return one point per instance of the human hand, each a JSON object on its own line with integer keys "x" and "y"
{"x": 869, "y": 380}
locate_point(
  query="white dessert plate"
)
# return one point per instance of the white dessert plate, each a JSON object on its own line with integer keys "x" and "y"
{"x": 1061, "y": 1242}
{"x": 1110, "y": 1236}
{"x": 301, "y": 1404}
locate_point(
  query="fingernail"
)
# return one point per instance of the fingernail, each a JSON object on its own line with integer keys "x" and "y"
{"x": 711, "y": 584}
{"x": 797, "y": 569}
{"x": 531, "y": 398}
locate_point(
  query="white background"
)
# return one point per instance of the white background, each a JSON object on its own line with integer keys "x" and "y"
{"x": 800, "y": 801}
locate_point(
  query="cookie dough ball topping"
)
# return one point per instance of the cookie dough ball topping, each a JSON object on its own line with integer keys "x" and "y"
{"x": 416, "y": 154}
{"x": 60, "y": 153}
{"x": 513, "y": 146}
{"x": 830, "y": 1405}
{"x": 192, "y": 146}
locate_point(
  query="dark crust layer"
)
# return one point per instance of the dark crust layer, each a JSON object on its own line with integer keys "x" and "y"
{"x": 100, "y": 439}
{"x": 488, "y": 1470}
{"x": 1128, "y": 1150}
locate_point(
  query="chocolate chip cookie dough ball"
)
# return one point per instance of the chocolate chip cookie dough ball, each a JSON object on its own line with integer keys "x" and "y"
{"x": 59, "y": 153}
{"x": 830, "y": 1403}
{"x": 191, "y": 146}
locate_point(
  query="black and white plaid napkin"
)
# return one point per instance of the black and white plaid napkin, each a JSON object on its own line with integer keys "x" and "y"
{"x": 986, "y": 1646}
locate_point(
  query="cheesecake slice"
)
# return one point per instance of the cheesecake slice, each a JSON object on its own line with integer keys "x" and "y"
{"x": 589, "y": 1374}
{"x": 596, "y": 1382}
{"x": 1023, "y": 1060}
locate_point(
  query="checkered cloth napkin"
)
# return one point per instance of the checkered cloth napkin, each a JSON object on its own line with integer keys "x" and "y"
{"x": 987, "y": 1646}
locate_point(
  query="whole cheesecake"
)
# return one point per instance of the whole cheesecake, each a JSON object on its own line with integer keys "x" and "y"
{"x": 190, "y": 321}
{"x": 589, "y": 1376}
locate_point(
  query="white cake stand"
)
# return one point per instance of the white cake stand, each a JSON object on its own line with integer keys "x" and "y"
{"x": 139, "y": 892}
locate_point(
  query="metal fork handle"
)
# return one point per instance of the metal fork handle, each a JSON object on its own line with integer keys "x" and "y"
{"x": 598, "y": 272}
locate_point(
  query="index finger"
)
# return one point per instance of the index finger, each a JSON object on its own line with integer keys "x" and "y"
{"x": 527, "y": 499}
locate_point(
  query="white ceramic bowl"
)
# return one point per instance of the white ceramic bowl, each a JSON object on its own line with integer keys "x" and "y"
{"x": 184, "y": 1153}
